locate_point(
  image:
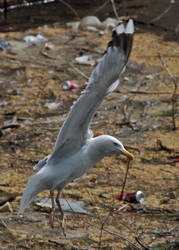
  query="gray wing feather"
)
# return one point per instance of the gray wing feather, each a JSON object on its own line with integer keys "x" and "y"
{"x": 103, "y": 80}
{"x": 41, "y": 163}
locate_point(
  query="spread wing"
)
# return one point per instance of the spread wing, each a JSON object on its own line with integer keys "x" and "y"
{"x": 104, "y": 79}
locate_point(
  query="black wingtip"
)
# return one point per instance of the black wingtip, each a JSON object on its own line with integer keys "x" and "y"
{"x": 122, "y": 37}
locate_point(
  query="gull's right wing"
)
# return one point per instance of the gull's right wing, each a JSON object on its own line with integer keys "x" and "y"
{"x": 104, "y": 79}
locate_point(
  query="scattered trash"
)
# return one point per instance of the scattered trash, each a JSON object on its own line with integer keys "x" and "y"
{"x": 176, "y": 159}
{"x": 73, "y": 25}
{"x": 4, "y": 45}
{"x": 49, "y": 46}
{"x": 110, "y": 22}
{"x": 16, "y": 92}
{"x": 67, "y": 205}
{"x": 70, "y": 85}
{"x": 35, "y": 39}
{"x": 92, "y": 23}
{"x": 135, "y": 197}
{"x": 86, "y": 60}
{"x": 3, "y": 104}
{"x": 53, "y": 105}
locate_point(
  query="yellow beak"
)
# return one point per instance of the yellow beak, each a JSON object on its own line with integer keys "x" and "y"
{"x": 129, "y": 155}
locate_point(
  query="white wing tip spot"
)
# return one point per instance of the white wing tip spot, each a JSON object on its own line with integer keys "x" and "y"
{"x": 120, "y": 29}
{"x": 129, "y": 27}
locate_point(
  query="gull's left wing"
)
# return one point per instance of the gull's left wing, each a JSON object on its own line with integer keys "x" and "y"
{"x": 104, "y": 79}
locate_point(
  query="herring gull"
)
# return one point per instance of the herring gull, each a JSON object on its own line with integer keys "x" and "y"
{"x": 76, "y": 150}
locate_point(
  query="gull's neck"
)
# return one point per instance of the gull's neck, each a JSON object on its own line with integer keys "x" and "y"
{"x": 95, "y": 149}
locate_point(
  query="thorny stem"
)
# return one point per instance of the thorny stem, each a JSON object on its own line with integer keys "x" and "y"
{"x": 173, "y": 98}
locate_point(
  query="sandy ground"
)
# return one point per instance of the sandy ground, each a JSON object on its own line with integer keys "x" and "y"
{"x": 139, "y": 113}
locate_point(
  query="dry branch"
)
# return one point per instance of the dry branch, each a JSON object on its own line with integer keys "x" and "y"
{"x": 114, "y": 9}
{"x": 161, "y": 15}
{"x": 174, "y": 94}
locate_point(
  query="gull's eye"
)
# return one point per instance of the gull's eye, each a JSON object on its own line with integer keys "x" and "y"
{"x": 115, "y": 143}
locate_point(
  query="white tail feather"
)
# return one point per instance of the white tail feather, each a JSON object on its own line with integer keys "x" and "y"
{"x": 33, "y": 187}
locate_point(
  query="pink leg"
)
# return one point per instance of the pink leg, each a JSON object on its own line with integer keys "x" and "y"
{"x": 62, "y": 215}
{"x": 52, "y": 214}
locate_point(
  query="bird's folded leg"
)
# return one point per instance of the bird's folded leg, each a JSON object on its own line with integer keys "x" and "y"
{"x": 52, "y": 213}
{"x": 63, "y": 216}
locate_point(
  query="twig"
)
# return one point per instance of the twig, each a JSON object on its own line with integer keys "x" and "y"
{"x": 4, "y": 224}
{"x": 73, "y": 67}
{"x": 42, "y": 52}
{"x": 102, "y": 7}
{"x": 114, "y": 9}
{"x": 161, "y": 15}
{"x": 122, "y": 238}
{"x": 125, "y": 178}
{"x": 70, "y": 7}
{"x": 173, "y": 98}
{"x": 143, "y": 247}
{"x": 127, "y": 146}
{"x": 13, "y": 125}
{"x": 162, "y": 147}
{"x": 156, "y": 56}
{"x": 143, "y": 92}
{"x": 117, "y": 235}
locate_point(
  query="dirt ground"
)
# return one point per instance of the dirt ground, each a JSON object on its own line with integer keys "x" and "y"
{"x": 139, "y": 113}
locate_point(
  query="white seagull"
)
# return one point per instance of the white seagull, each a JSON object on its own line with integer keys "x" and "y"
{"x": 76, "y": 150}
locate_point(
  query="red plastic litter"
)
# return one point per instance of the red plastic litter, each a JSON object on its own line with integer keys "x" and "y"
{"x": 176, "y": 159}
{"x": 134, "y": 197}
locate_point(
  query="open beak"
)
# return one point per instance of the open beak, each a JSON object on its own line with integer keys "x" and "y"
{"x": 129, "y": 155}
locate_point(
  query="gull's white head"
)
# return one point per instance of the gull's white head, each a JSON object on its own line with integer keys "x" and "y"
{"x": 108, "y": 145}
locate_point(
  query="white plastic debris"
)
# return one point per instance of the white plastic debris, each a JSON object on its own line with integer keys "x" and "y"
{"x": 52, "y": 105}
{"x": 92, "y": 23}
{"x": 67, "y": 205}
{"x": 87, "y": 60}
{"x": 110, "y": 22}
{"x": 68, "y": 85}
{"x": 35, "y": 39}
{"x": 73, "y": 25}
